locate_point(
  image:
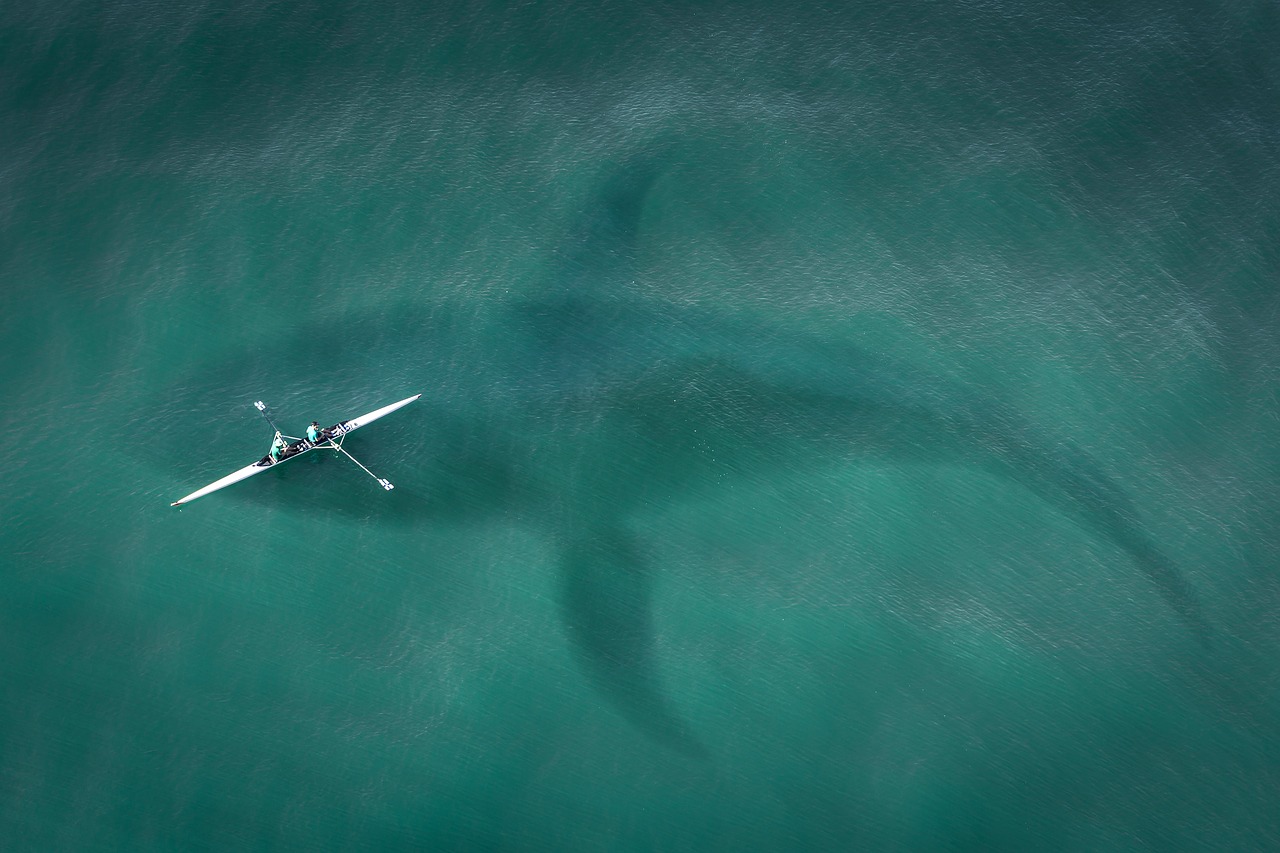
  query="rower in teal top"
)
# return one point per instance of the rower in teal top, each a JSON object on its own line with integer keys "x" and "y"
{"x": 313, "y": 432}
{"x": 277, "y": 447}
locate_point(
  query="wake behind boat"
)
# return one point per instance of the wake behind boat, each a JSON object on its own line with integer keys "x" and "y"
{"x": 326, "y": 438}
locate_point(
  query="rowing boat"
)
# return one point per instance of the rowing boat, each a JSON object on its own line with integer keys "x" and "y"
{"x": 329, "y": 438}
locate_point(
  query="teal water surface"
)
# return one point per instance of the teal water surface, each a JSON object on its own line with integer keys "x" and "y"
{"x": 847, "y": 427}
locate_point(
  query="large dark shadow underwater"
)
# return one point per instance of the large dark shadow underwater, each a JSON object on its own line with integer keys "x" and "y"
{"x": 529, "y": 430}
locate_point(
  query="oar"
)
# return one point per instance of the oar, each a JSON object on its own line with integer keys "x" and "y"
{"x": 262, "y": 407}
{"x": 384, "y": 483}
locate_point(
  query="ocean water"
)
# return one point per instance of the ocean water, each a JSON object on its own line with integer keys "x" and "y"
{"x": 845, "y": 426}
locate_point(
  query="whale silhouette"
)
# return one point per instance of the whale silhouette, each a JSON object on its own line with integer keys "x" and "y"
{"x": 584, "y": 359}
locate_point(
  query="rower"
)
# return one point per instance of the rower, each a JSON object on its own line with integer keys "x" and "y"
{"x": 277, "y": 447}
{"x": 313, "y": 432}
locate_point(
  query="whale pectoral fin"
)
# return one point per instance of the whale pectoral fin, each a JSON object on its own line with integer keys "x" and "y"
{"x": 608, "y": 615}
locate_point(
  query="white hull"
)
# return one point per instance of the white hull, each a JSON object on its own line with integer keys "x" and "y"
{"x": 363, "y": 420}
{"x": 235, "y": 477}
{"x": 338, "y": 430}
